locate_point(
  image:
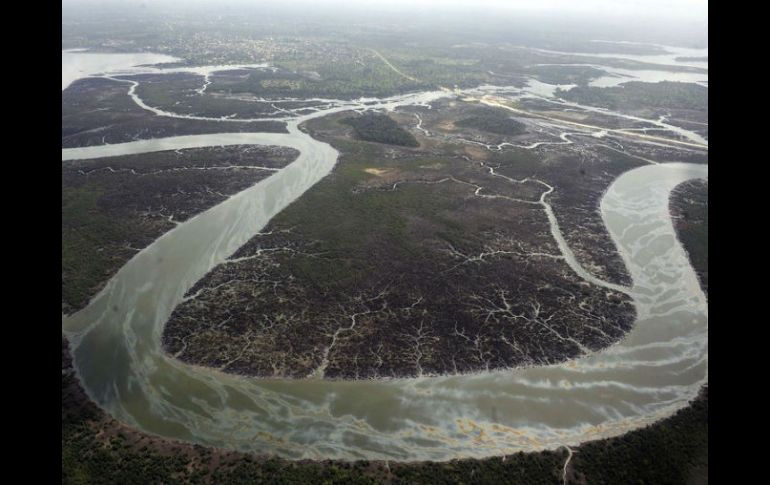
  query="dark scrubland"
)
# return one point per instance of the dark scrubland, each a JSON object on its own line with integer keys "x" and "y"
{"x": 410, "y": 263}
{"x": 380, "y": 128}
{"x": 343, "y": 73}
{"x": 580, "y": 75}
{"x": 689, "y": 211}
{"x": 681, "y": 104}
{"x": 635, "y": 94}
{"x": 349, "y": 69}
{"x": 671, "y": 451}
{"x": 180, "y": 93}
{"x": 580, "y": 186}
{"x": 492, "y": 120}
{"x": 660, "y": 152}
{"x": 113, "y": 207}
{"x": 691, "y": 119}
{"x": 96, "y": 111}
{"x": 580, "y": 180}
{"x": 333, "y": 68}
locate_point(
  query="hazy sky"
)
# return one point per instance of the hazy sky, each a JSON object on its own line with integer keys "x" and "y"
{"x": 678, "y": 22}
{"x": 599, "y": 7}
{"x": 646, "y": 8}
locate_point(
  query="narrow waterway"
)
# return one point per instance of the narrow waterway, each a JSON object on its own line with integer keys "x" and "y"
{"x": 78, "y": 63}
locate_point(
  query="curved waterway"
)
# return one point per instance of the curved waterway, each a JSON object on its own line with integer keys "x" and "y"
{"x": 79, "y": 63}
{"x": 656, "y": 369}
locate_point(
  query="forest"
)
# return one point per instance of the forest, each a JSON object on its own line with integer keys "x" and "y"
{"x": 380, "y": 128}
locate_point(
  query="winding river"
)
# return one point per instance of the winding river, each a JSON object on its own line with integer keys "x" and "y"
{"x": 656, "y": 369}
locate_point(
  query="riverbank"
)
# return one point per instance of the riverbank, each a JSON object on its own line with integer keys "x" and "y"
{"x": 689, "y": 211}
{"x": 113, "y": 207}
{"x": 96, "y": 447}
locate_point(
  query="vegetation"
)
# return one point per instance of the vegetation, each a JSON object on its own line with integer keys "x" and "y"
{"x": 181, "y": 94}
{"x": 339, "y": 74}
{"x": 394, "y": 226}
{"x": 115, "y": 206}
{"x": 370, "y": 222}
{"x": 566, "y": 74}
{"x": 690, "y": 210}
{"x": 96, "y": 111}
{"x": 672, "y": 451}
{"x": 492, "y": 120}
{"x": 635, "y": 94}
{"x": 85, "y": 231}
{"x": 380, "y": 128}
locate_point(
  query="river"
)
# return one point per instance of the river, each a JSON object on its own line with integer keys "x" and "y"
{"x": 668, "y": 63}
{"x": 653, "y": 371}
